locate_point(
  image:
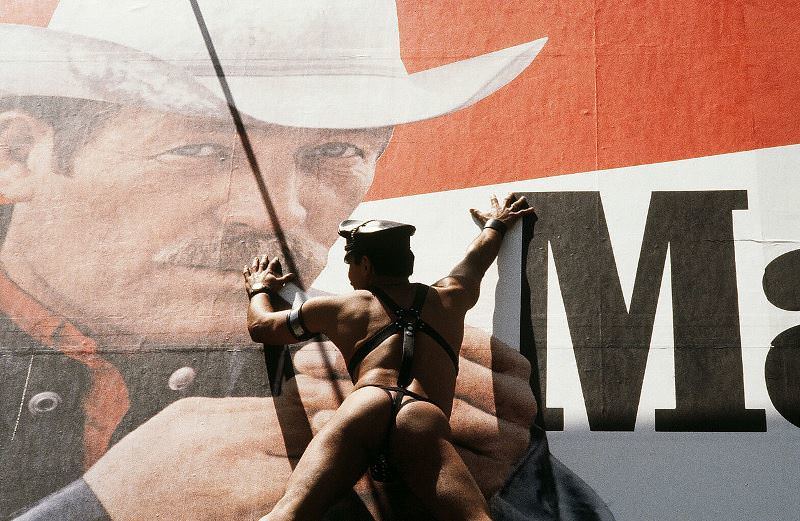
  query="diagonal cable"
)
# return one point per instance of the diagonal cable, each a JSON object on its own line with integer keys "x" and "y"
{"x": 246, "y": 145}
{"x": 276, "y": 360}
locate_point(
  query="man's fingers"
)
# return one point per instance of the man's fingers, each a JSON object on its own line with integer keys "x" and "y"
{"x": 264, "y": 261}
{"x": 285, "y": 278}
{"x": 274, "y": 266}
{"x": 486, "y": 350}
{"x": 489, "y": 473}
{"x": 316, "y": 395}
{"x": 519, "y": 204}
{"x": 494, "y": 203}
{"x": 487, "y": 434}
{"x": 254, "y": 264}
{"x": 478, "y": 216}
{"x": 510, "y": 200}
{"x": 505, "y": 396}
{"x": 523, "y": 212}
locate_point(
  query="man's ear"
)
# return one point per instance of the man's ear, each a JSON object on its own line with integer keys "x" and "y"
{"x": 365, "y": 264}
{"x": 26, "y": 155}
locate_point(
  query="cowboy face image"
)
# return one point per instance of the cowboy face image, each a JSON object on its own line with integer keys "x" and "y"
{"x": 157, "y": 207}
{"x": 156, "y": 211}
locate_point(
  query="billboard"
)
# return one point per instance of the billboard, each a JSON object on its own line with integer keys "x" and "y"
{"x": 632, "y": 354}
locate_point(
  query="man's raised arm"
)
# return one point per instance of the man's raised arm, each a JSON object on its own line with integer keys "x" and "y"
{"x": 464, "y": 281}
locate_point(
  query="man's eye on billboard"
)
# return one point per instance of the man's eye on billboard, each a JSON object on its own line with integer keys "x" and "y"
{"x": 197, "y": 151}
{"x": 313, "y": 156}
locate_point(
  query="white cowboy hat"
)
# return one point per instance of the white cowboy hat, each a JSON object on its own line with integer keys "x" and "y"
{"x": 307, "y": 63}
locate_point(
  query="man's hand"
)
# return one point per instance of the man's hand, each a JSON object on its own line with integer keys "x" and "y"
{"x": 200, "y": 458}
{"x": 263, "y": 274}
{"x": 493, "y": 410}
{"x": 225, "y": 458}
{"x": 512, "y": 209}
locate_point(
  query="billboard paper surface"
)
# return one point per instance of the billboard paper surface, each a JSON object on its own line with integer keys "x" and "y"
{"x": 656, "y": 298}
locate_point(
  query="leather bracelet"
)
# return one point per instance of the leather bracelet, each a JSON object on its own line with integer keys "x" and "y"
{"x": 497, "y": 225}
{"x": 262, "y": 289}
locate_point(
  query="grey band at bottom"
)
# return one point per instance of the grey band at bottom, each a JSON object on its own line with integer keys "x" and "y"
{"x": 75, "y": 501}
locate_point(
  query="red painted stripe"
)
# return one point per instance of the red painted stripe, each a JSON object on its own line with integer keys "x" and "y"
{"x": 25, "y": 12}
{"x": 618, "y": 84}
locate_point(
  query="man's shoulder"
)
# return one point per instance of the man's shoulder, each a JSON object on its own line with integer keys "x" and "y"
{"x": 356, "y": 301}
{"x": 451, "y": 282}
{"x": 456, "y": 292}
{"x": 334, "y": 306}
{"x": 358, "y": 295}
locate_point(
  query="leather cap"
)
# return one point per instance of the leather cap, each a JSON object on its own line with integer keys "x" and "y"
{"x": 376, "y": 236}
{"x": 374, "y": 227}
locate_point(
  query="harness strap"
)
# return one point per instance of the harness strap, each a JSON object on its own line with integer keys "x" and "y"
{"x": 371, "y": 345}
{"x": 404, "y": 376}
{"x": 419, "y": 297}
{"x": 402, "y": 390}
{"x": 386, "y": 300}
{"x": 408, "y": 322}
{"x": 424, "y": 327}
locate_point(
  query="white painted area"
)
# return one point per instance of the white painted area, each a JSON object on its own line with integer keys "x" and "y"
{"x": 658, "y": 388}
{"x": 563, "y": 382}
{"x": 508, "y": 289}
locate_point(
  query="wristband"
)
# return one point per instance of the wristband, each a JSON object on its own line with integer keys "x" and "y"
{"x": 263, "y": 288}
{"x": 496, "y": 225}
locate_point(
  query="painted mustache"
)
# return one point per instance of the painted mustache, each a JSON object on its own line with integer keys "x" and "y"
{"x": 235, "y": 247}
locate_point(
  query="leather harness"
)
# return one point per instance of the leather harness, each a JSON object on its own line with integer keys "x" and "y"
{"x": 407, "y": 321}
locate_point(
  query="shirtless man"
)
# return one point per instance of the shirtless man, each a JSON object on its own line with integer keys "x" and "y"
{"x": 388, "y": 353}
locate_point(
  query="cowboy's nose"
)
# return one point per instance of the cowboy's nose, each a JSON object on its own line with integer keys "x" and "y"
{"x": 249, "y": 203}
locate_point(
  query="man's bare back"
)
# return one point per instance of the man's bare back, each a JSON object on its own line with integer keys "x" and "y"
{"x": 364, "y": 316}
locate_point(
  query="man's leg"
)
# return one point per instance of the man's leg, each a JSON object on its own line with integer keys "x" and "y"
{"x": 337, "y": 456}
{"x": 431, "y": 467}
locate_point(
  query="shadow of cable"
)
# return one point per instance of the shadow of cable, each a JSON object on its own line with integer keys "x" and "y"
{"x": 277, "y": 360}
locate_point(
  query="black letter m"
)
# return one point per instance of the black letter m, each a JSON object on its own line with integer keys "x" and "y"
{"x": 611, "y": 343}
